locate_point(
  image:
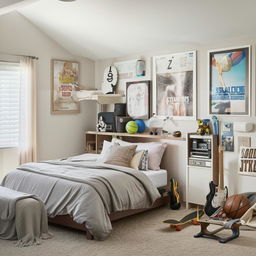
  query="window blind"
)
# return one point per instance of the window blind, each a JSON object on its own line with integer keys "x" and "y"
{"x": 9, "y": 104}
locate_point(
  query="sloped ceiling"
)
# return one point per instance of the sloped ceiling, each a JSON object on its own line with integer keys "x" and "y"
{"x": 7, "y": 6}
{"x": 101, "y": 29}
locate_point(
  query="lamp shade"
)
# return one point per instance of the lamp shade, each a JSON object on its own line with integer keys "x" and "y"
{"x": 155, "y": 122}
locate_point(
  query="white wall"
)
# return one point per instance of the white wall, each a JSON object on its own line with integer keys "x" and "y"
{"x": 236, "y": 183}
{"x": 58, "y": 135}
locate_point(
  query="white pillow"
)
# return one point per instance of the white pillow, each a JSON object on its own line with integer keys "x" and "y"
{"x": 155, "y": 151}
{"x": 105, "y": 148}
{"x": 121, "y": 142}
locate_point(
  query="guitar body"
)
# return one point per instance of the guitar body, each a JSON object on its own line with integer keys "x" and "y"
{"x": 208, "y": 208}
{"x": 218, "y": 194}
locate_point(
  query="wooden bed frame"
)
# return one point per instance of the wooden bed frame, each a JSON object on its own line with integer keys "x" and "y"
{"x": 66, "y": 220}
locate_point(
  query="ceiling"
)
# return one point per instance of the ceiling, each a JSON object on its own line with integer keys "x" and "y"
{"x": 7, "y": 6}
{"x": 101, "y": 29}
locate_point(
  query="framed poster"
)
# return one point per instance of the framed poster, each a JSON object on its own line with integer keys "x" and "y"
{"x": 229, "y": 81}
{"x": 65, "y": 84}
{"x": 174, "y": 85}
{"x": 138, "y": 99}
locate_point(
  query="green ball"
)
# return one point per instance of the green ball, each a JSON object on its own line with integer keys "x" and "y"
{"x": 131, "y": 127}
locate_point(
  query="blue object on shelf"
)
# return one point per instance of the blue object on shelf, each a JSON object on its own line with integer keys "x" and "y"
{"x": 141, "y": 125}
{"x": 215, "y": 125}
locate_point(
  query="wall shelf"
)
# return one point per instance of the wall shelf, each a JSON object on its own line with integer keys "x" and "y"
{"x": 94, "y": 140}
{"x": 140, "y": 135}
{"x": 103, "y": 98}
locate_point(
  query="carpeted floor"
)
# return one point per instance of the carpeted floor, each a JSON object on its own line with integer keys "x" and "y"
{"x": 142, "y": 234}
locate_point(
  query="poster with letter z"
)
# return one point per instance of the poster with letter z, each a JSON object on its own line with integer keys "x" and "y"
{"x": 174, "y": 85}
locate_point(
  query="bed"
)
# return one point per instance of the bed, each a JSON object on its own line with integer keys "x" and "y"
{"x": 73, "y": 192}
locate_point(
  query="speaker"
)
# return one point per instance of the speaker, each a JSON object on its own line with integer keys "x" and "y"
{"x": 121, "y": 122}
{"x": 109, "y": 119}
{"x": 120, "y": 109}
{"x": 140, "y": 68}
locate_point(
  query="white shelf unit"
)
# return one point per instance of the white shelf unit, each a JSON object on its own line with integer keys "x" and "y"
{"x": 200, "y": 170}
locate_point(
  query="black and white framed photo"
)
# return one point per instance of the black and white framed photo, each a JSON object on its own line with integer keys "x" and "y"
{"x": 229, "y": 81}
{"x": 174, "y": 85}
{"x": 138, "y": 99}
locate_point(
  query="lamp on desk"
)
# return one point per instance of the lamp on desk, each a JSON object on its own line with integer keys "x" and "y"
{"x": 155, "y": 124}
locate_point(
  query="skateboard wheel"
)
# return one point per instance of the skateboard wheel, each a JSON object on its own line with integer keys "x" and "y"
{"x": 178, "y": 228}
{"x": 195, "y": 222}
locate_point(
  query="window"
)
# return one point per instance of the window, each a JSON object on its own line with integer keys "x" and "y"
{"x": 9, "y": 104}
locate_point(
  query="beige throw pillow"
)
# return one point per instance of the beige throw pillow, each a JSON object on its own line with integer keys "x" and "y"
{"x": 136, "y": 160}
{"x": 118, "y": 155}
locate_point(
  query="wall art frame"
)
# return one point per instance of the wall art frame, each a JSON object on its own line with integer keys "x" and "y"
{"x": 64, "y": 85}
{"x": 138, "y": 99}
{"x": 229, "y": 81}
{"x": 175, "y": 85}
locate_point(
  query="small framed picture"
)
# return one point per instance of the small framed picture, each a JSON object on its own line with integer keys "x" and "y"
{"x": 229, "y": 81}
{"x": 138, "y": 99}
{"x": 65, "y": 84}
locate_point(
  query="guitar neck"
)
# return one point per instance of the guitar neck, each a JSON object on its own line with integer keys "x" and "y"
{"x": 221, "y": 169}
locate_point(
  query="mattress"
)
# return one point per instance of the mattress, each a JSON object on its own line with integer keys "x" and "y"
{"x": 158, "y": 178}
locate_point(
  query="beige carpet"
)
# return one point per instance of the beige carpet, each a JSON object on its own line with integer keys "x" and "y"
{"x": 143, "y": 234}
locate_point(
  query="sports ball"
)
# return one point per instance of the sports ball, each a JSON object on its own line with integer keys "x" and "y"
{"x": 141, "y": 125}
{"x": 236, "y": 206}
{"x": 131, "y": 127}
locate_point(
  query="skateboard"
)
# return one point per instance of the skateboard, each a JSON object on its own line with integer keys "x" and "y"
{"x": 192, "y": 217}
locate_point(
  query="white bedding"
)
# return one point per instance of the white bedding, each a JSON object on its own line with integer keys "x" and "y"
{"x": 158, "y": 178}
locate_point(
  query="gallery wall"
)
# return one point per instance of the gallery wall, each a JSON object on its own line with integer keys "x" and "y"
{"x": 58, "y": 135}
{"x": 236, "y": 183}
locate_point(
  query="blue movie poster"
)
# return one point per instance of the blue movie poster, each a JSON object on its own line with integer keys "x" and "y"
{"x": 229, "y": 82}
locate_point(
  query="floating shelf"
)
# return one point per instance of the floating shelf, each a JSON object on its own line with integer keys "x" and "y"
{"x": 105, "y": 99}
{"x": 140, "y": 135}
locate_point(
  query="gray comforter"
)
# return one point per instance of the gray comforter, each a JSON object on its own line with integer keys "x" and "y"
{"x": 83, "y": 188}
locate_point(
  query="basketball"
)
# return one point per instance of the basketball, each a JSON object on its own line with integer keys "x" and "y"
{"x": 131, "y": 127}
{"x": 236, "y": 206}
{"x": 141, "y": 125}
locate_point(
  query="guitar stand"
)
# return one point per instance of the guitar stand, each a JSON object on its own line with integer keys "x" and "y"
{"x": 232, "y": 224}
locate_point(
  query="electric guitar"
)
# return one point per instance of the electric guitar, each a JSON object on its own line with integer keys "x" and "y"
{"x": 174, "y": 195}
{"x": 217, "y": 196}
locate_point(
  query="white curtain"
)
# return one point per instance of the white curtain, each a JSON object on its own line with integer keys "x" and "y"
{"x": 28, "y": 134}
